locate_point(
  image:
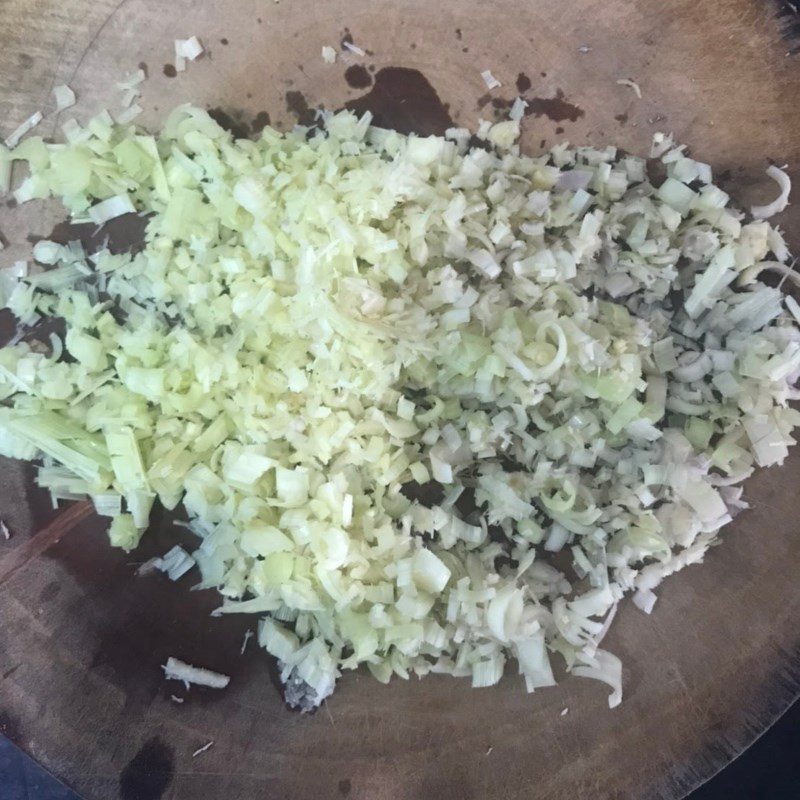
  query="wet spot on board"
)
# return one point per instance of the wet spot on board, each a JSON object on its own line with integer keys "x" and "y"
{"x": 543, "y": 142}
{"x": 121, "y": 235}
{"x": 458, "y": 34}
{"x": 413, "y": 45}
{"x": 12, "y": 203}
{"x": 230, "y": 121}
{"x": 223, "y": 40}
{"x": 143, "y": 68}
{"x": 465, "y": 49}
{"x": 404, "y": 100}
{"x": 260, "y": 121}
{"x": 49, "y": 592}
{"x": 556, "y": 108}
{"x": 297, "y": 104}
{"x": 559, "y": 130}
{"x": 357, "y": 76}
{"x": 25, "y": 61}
{"x": 147, "y": 619}
{"x": 523, "y": 83}
{"x": 345, "y": 786}
{"x": 656, "y": 171}
{"x": 149, "y": 773}
{"x": 428, "y": 494}
{"x": 170, "y": 71}
{"x": 484, "y": 101}
{"x": 621, "y": 118}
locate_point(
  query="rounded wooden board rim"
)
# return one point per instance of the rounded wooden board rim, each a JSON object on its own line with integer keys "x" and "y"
{"x": 82, "y": 638}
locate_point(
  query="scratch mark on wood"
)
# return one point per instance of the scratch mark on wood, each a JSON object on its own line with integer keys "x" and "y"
{"x": 44, "y": 539}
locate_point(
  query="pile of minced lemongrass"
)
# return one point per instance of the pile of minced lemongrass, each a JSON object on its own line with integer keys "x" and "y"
{"x": 326, "y": 327}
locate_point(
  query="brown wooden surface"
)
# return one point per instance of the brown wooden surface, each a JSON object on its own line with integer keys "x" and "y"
{"x": 81, "y": 638}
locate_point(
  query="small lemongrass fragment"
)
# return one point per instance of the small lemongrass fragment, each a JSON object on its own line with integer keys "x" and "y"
{"x": 517, "y": 111}
{"x": 328, "y": 54}
{"x": 127, "y": 115}
{"x": 28, "y": 125}
{"x": 177, "y": 670}
{"x": 202, "y": 749}
{"x": 355, "y": 49}
{"x": 631, "y": 85}
{"x": 490, "y": 81}
{"x": 190, "y": 48}
{"x": 64, "y": 97}
{"x": 175, "y": 563}
{"x": 781, "y": 201}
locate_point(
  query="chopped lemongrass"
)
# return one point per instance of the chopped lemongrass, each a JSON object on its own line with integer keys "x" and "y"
{"x": 332, "y": 345}
{"x": 110, "y": 208}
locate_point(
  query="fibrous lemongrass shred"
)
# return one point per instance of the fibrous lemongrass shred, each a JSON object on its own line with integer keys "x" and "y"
{"x": 177, "y": 670}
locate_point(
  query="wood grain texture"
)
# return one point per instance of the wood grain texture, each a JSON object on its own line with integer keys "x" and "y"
{"x": 81, "y": 639}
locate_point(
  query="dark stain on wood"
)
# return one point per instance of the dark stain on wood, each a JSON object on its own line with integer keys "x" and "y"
{"x": 231, "y": 121}
{"x": 357, "y": 76}
{"x": 297, "y": 104}
{"x": 523, "y": 83}
{"x": 403, "y": 99}
{"x": 260, "y": 121}
{"x": 170, "y": 71}
{"x": 556, "y": 108}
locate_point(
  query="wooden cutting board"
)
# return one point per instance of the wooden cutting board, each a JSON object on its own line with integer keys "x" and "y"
{"x": 81, "y": 638}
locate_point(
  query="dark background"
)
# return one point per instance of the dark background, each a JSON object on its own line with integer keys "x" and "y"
{"x": 769, "y": 770}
